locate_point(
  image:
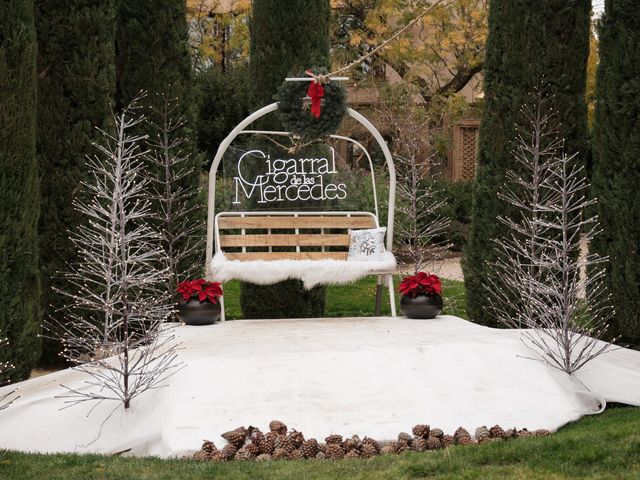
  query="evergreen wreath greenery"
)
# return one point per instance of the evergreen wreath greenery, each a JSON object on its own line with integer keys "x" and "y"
{"x": 296, "y": 118}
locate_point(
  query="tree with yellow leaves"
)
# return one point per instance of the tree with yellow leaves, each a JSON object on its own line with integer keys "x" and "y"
{"x": 218, "y": 32}
{"x": 440, "y": 55}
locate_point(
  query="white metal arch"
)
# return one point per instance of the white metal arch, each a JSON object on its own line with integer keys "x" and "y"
{"x": 261, "y": 113}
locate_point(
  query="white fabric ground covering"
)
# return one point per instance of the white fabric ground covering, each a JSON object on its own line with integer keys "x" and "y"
{"x": 371, "y": 376}
{"x": 311, "y": 272}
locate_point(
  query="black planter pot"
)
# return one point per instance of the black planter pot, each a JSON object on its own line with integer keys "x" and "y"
{"x": 195, "y": 312}
{"x": 422, "y": 306}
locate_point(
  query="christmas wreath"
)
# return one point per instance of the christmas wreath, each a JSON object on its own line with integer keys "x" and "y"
{"x": 326, "y": 111}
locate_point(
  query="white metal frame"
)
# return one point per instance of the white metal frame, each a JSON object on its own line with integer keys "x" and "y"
{"x": 240, "y": 128}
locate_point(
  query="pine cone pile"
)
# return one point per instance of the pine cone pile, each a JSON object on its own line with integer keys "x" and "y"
{"x": 250, "y": 444}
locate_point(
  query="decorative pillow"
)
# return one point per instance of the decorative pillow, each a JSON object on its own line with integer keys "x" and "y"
{"x": 367, "y": 245}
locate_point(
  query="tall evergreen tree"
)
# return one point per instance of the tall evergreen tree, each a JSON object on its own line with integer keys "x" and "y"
{"x": 616, "y": 167}
{"x": 152, "y": 54}
{"x": 75, "y": 87}
{"x": 529, "y": 44}
{"x": 20, "y": 313}
{"x": 287, "y": 36}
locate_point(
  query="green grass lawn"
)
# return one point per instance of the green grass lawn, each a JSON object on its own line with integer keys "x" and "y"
{"x": 606, "y": 446}
{"x": 358, "y": 299}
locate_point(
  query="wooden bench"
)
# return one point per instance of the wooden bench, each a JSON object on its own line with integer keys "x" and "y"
{"x": 316, "y": 236}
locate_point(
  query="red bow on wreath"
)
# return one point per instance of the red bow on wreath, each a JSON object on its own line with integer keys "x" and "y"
{"x": 316, "y": 92}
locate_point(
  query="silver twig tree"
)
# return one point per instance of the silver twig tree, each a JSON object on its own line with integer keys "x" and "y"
{"x": 114, "y": 327}
{"x": 564, "y": 311}
{"x": 8, "y": 398}
{"x": 421, "y": 230}
{"x": 174, "y": 200}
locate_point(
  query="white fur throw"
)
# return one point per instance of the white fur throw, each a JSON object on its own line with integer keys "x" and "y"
{"x": 311, "y": 272}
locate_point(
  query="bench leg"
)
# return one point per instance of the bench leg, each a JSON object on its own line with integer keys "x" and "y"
{"x": 222, "y": 316}
{"x": 379, "y": 295}
{"x": 392, "y": 295}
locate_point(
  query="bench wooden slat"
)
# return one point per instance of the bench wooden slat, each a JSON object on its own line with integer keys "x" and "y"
{"x": 314, "y": 221}
{"x": 284, "y": 240}
{"x": 248, "y": 256}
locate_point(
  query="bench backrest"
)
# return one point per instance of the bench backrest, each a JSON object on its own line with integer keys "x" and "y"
{"x": 288, "y": 235}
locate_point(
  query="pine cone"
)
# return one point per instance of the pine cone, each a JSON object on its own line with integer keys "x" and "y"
{"x": 511, "y": 433}
{"x": 276, "y": 426}
{"x": 283, "y": 441}
{"x": 208, "y": 447}
{"x": 402, "y": 445}
{"x": 352, "y": 454}
{"x": 447, "y": 440}
{"x": 436, "y": 432}
{"x": 405, "y": 437}
{"x": 243, "y": 455}
{"x": 496, "y": 431}
{"x": 253, "y": 449}
{"x": 459, "y": 434}
{"x": 228, "y": 452}
{"x": 389, "y": 448}
{"x": 296, "y": 455}
{"x": 236, "y": 437}
{"x": 350, "y": 444}
{"x": 419, "y": 444}
{"x": 524, "y": 433}
{"x": 334, "y": 451}
{"x": 322, "y": 447}
{"x": 373, "y": 442}
{"x": 280, "y": 454}
{"x": 334, "y": 439}
{"x": 297, "y": 438}
{"x": 268, "y": 443}
{"x": 541, "y": 432}
{"x": 219, "y": 457}
{"x": 320, "y": 455}
{"x": 434, "y": 443}
{"x": 368, "y": 450}
{"x": 263, "y": 457}
{"x": 465, "y": 441}
{"x": 310, "y": 448}
{"x": 256, "y": 436}
{"x": 482, "y": 434}
{"x": 421, "y": 431}
{"x": 201, "y": 455}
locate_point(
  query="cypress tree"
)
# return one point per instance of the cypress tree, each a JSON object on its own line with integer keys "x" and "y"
{"x": 287, "y": 36}
{"x": 529, "y": 44}
{"x": 616, "y": 168}
{"x": 20, "y": 313}
{"x": 152, "y": 54}
{"x": 75, "y": 87}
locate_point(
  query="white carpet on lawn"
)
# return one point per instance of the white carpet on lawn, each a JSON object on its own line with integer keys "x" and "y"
{"x": 370, "y": 376}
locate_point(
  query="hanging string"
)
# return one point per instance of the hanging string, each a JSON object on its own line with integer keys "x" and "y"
{"x": 387, "y": 41}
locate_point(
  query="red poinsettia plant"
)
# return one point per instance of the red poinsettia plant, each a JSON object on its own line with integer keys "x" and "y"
{"x": 200, "y": 288}
{"x": 421, "y": 284}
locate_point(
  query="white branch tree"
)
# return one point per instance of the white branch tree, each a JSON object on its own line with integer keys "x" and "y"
{"x": 421, "y": 230}
{"x": 114, "y": 327}
{"x": 565, "y": 311}
{"x": 8, "y": 398}
{"x": 176, "y": 202}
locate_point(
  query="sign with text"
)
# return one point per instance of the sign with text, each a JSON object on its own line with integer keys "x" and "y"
{"x": 267, "y": 179}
